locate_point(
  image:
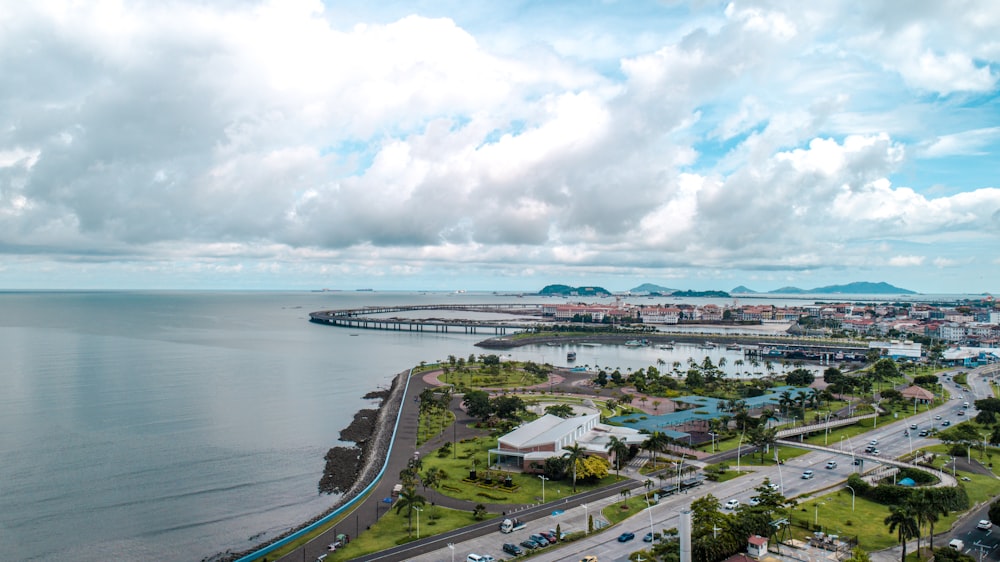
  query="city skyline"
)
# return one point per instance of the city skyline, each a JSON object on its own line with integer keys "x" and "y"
{"x": 441, "y": 145}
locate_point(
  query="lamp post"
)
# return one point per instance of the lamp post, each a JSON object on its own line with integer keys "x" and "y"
{"x": 877, "y": 402}
{"x": 543, "y": 478}
{"x": 713, "y": 440}
{"x": 418, "y": 510}
{"x": 852, "y": 496}
{"x": 649, "y": 509}
{"x": 816, "y": 521}
{"x": 826, "y": 436}
{"x": 739, "y": 446}
{"x": 781, "y": 479}
{"x": 451, "y": 545}
{"x": 586, "y": 520}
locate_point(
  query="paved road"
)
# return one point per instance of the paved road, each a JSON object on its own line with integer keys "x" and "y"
{"x": 891, "y": 442}
{"x": 571, "y": 515}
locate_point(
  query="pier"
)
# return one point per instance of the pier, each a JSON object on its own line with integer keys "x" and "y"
{"x": 364, "y": 319}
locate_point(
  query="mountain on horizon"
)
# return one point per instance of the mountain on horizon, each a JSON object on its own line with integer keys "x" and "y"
{"x": 743, "y": 290}
{"x": 856, "y": 288}
{"x": 651, "y": 288}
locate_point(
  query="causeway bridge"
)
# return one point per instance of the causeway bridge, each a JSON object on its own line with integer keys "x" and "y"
{"x": 366, "y": 319}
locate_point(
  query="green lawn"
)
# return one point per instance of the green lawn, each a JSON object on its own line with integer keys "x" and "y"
{"x": 392, "y": 529}
{"x": 527, "y": 487}
{"x": 620, "y": 511}
{"x": 866, "y": 520}
{"x": 835, "y": 516}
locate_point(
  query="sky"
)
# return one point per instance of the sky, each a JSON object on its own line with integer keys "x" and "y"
{"x": 472, "y": 145}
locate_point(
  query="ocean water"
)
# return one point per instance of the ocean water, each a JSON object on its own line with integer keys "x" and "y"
{"x": 179, "y": 425}
{"x": 174, "y": 426}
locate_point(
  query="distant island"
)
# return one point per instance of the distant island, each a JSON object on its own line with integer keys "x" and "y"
{"x": 701, "y": 294}
{"x": 856, "y": 288}
{"x": 652, "y": 289}
{"x": 567, "y": 291}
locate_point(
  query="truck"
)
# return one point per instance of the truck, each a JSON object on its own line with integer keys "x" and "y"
{"x": 511, "y": 525}
{"x": 396, "y": 490}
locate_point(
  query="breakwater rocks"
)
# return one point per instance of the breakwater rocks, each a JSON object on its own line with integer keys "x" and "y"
{"x": 373, "y": 434}
{"x": 343, "y": 464}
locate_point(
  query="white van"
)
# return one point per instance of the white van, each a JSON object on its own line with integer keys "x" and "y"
{"x": 473, "y": 558}
{"x": 957, "y": 544}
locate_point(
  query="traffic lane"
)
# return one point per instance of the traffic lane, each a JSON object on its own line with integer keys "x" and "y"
{"x": 979, "y": 541}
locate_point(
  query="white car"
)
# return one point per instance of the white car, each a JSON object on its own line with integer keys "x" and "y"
{"x": 732, "y": 504}
{"x": 807, "y": 475}
{"x": 754, "y": 501}
{"x": 985, "y": 524}
{"x": 831, "y": 464}
{"x": 937, "y": 417}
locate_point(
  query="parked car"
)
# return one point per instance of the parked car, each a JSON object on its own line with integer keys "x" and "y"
{"x": 807, "y": 475}
{"x": 985, "y": 524}
{"x": 774, "y": 486}
{"x": 512, "y": 549}
{"x": 589, "y": 558}
{"x": 549, "y": 536}
{"x": 626, "y": 536}
{"x": 732, "y": 504}
{"x": 539, "y": 540}
{"x": 831, "y": 464}
{"x": 529, "y": 544}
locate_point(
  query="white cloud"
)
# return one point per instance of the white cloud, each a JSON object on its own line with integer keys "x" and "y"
{"x": 765, "y": 136}
{"x": 906, "y": 261}
{"x": 972, "y": 142}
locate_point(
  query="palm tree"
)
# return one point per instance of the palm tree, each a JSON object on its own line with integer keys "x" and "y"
{"x": 739, "y": 366}
{"x": 785, "y": 400}
{"x": 931, "y": 506}
{"x": 655, "y": 443}
{"x": 618, "y": 448}
{"x": 904, "y": 524}
{"x": 574, "y": 453}
{"x": 409, "y": 499}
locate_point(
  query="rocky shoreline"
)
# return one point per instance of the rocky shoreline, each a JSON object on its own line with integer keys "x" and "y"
{"x": 351, "y": 469}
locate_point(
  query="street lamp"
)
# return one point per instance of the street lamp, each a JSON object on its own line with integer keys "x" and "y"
{"x": 852, "y": 496}
{"x": 816, "y": 522}
{"x": 713, "y": 440}
{"x": 418, "y": 510}
{"x": 649, "y": 509}
{"x": 543, "y": 478}
{"x": 451, "y": 545}
{"x": 586, "y": 520}
{"x": 739, "y": 446}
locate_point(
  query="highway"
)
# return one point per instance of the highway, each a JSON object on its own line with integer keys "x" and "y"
{"x": 891, "y": 443}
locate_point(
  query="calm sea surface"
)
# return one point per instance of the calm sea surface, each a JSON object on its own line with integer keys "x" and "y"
{"x": 177, "y": 425}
